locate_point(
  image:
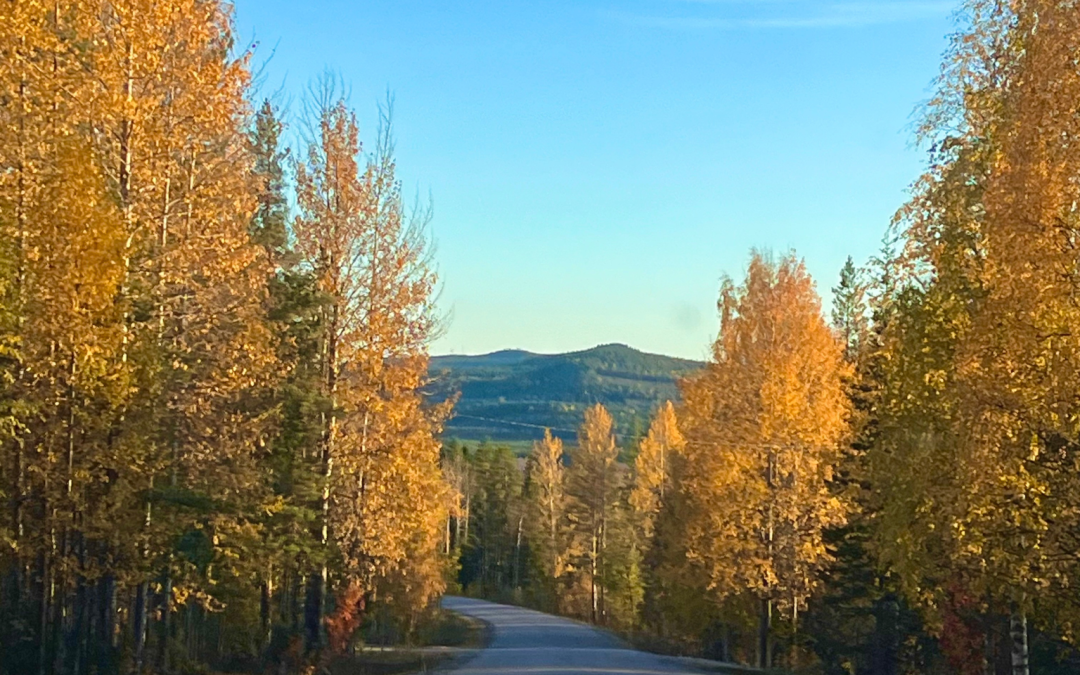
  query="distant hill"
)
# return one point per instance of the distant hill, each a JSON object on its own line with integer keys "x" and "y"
{"x": 511, "y": 395}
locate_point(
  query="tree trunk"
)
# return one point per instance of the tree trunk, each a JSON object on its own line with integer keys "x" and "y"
{"x": 17, "y": 581}
{"x": 988, "y": 645}
{"x": 82, "y": 615}
{"x": 1018, "y": 634}
{"x": 21, "y": 583}
{"x": 725, "y": 643}
{"x": 517, "y": 553}
{"x": 601, "y": 563}
{"x": 165, "y": 624}
{"x": 457, "y": 530}
{"x": 138, "y": 624}
{"x": 883, "y": 647}
{"x": 59, "y": 617}
{"x": 189, "y": 629}
{"x": 296, "y": 607}
{"x": 141, "y": 605}
{"x": 316, "y": 596}
{"x": 314, "y": 608}
{"x": 794, "y": 633}
{"x": 62, "y": 614}
{"x": 105, "y": 644}
{"x": 45, "y": 581}
{"x": 447, "y": 534}
{"x": 266, "y": 597}
{"x": 765, "y": 621}
{"x": 764, "y": 629}
{"x": 592, "y": 577}
{"x": 468, "y": 511}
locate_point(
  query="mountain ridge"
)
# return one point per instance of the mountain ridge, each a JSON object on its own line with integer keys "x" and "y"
{"x": 511, "y": 395}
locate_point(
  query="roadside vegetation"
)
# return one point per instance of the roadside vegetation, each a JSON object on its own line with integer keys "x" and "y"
{"x": 442, "y": 639}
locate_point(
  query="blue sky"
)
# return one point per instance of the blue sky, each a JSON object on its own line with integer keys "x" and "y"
{"x": 596, "y": 166}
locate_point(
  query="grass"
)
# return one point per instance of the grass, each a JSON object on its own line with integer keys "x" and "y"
{"x": 455, "y": 630}
{"x": 449, "y": 636}
{"x": 685, "y": 654}
{"x": 383, "y": 663}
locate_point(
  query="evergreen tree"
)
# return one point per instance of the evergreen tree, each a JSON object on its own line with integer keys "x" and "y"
{"x": 849, "y": 312}
{"x": 492, "y": 556}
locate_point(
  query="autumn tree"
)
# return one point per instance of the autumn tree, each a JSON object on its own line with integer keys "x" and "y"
{"x": 652, "y": 467}
{"x": 142, "y": 110}
{"x": 593, "y": 482}
{"x": 1016, "y": 369}
{"x": 546, "y": 493}
{"x": 765, "y": 420}
{"x": 329, "y": 234}
{"x": 458, "y": 474}
{"x": 992, "y": 226}
{"x": 379, "y": 448}
{"x": 294, "y": 404}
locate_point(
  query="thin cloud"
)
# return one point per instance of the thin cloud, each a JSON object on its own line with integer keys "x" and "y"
{"x": 765, "y": 14}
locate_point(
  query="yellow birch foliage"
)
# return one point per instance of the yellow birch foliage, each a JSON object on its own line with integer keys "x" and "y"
{"x": 916, "y": 464}
{"x": 763, "y": 423}
{"x": 137, "y": 358}
{"x": 1018, "y": 367}
{"x": 395, "y": 434}
{"x": 593, "y": 481}
{"x": 139, "y": 107}
{"x": 547, "y": 512}
{"x": 975, "y": 469}
{"x": 386, "y": 497}
{"x": 652, "y": 468}
{"x": 169, "y": 121}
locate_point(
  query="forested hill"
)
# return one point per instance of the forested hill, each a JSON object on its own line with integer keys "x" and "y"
{"x": 510, "y": 395}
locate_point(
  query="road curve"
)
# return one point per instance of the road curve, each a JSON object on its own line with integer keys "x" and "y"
{"x": 524, "y": 642}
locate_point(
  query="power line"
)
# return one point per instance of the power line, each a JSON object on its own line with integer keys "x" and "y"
{"x": 696, "y": 444}
{"x": 518, "y": 424}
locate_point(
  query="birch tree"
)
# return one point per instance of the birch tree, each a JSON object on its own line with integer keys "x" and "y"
{"x": 546, "y": 495}
{"x": 765, "y": 421}
{"x": 593, "y": 482}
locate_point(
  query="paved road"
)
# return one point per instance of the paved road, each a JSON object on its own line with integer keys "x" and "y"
{"x": 524, "y": 642}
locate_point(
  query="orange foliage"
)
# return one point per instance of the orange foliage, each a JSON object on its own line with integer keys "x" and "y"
{"x": 348, "y": 613}
{"x": 764, "y": 423}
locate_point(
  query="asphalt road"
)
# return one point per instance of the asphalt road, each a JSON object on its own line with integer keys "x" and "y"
{"x": 524, "y": 642}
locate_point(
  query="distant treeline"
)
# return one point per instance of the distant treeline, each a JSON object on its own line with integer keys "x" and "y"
{"x": 512, "y": 396}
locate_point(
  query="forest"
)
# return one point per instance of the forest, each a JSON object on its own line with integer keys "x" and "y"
{"x": 216, "y": 451}
{"x": 219, "y": 452}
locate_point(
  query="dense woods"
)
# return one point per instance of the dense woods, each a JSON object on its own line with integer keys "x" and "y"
{"x": 214, "y": 447}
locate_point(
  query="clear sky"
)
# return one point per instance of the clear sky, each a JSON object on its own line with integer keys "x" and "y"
{"x": 596, "y": 166}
